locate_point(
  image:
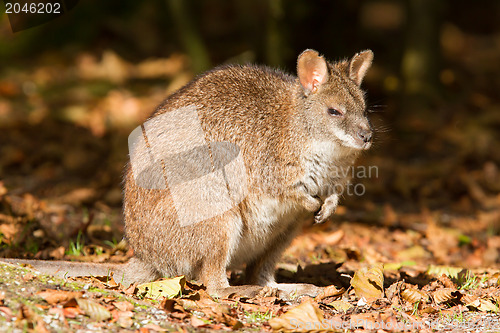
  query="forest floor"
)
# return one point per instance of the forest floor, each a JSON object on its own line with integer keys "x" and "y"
{"x": 417, "y": 249}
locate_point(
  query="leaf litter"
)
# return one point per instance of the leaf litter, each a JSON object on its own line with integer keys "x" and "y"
{"x": 420, "y": 248}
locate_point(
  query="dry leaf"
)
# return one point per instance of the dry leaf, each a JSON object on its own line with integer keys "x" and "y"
{"x": 330, "y": 291}
{"x": 7, "y": 312}
{"x": 484, "y": 305}
{"x": 163, "y": 288}
{"x": 130, "y": 290}
{"x": 449, "y": 271}
{"x": 94, "y": 310}
{"x": 57, "y": 311}
{"x": 123, "y": 318}
{"x": 26, "y": 313}
{"x": 125, "y": 322}
{"x": 369, "y": 282}
{"x": 28, "y": 277}
{"x": 40, "y": 327}
{"x": 123, "y": 305}
{"x": 412, "y": 253}
{"x": 197, "y": 322}
{"x": 71, "y": 312}
{"x": 414, "y": 295}
{"x": 299, "y": 319}
{"x": 341, "y": 305}
{"x": 470, "y": 300}
{"x": 231, "y": 321}
{"x": 443, "y": 295}
{"x": 333, "y": 238}
{"x": 58, "y": 296}
{"x": 154, "y": 327}
{"x": 3, "y": 189}
{"x": 363, "y": 320}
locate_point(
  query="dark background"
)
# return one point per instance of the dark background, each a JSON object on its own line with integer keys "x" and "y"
{"x": 71, "y": 90}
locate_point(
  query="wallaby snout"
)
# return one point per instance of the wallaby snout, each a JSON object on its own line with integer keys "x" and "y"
{"x": 365, "y": 135}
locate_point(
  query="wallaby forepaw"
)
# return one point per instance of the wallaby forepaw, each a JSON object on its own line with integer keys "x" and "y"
{"x": 323, "y": 214}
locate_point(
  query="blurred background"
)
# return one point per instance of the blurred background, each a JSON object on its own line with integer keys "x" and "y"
{"x": 72, "y": 89}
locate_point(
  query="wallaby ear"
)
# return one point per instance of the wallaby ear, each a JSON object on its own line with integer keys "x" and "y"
{"x": 312, "y": 70}
{"x": 359, "y": 65}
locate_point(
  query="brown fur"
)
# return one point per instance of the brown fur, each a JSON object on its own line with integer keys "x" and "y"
{"x": 290, "y": 145}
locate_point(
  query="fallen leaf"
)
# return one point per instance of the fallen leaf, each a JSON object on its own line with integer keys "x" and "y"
{"x": 231, "y": 321}
{"x": 7, "y": 311}
{"x": 413, "y": 295}
{"x": 28, "y": 277}
{"x": 130, "y": 290}
{"x": 444, "y": 295}
{"x": 40, "y": 327}
{"x": 414, "y": 252}
{"x": 27, "y": 313}
{"x": 107, "y": 280}
{"x": 154, "y": 327}
{"x": 94, "y": 310}
{"x": 58, "y": 296}
{"x": 304, "y": 318}
{"x": 485, "y": 305}
{"x": 123, "y": 318}
{"x": 341, "y": 305}
{"x": 197, "y": 322}
{"x": 57, "y": 253}
{"x": 179, "y": 315}
{"x": 71, "y": 312}
{"x": 470, "y": 300}
{"x": 125, "y": 322}
{"x": 57, "y": 311}
{"x": 123, "y": 305}
{"x": 396, "y": 266}
{"x": 163, "y": 288}
{"x": 3, "y": 189}
{"x": 333, "y": 238}
{"x": 449, "y": 271}
{"x": 330, "y": 291}
{"x": 368, "y": 282}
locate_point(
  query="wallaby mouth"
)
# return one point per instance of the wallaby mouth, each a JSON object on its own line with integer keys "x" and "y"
{"x": 355, "y": 141}
{"x": 361, "y": 145}
{"x": 367, "y": 145}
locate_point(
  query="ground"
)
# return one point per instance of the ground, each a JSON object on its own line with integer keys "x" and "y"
{"x": 417, "y": 244}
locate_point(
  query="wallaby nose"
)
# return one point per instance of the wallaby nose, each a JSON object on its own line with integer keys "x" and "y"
{"x": 365, "y": 135}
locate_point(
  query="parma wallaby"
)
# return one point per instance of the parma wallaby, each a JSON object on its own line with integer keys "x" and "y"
{"x": 291, "y": 136}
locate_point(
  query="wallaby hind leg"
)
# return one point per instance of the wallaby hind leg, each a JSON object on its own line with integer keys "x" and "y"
{"x": 262, "y": 270}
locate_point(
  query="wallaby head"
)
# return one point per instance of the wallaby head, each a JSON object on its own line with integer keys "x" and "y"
{"x": 332, "y": 100}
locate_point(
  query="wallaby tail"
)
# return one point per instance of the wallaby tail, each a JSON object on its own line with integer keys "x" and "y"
{"x": 133, "y": 271}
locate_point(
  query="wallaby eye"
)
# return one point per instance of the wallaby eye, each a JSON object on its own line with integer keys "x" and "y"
{"x": 334, "y": 112}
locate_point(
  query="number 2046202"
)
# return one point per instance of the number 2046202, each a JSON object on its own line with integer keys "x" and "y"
{"x": 33, "y": 8}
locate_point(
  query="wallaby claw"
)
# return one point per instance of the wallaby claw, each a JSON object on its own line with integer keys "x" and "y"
{"x": 324, "y": 214}
{"x": 270, "y": 292}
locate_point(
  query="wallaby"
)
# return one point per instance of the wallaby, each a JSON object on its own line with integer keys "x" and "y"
{"x": 292, "y": 135}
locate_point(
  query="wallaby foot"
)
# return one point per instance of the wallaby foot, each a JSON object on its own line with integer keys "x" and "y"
{"x": 249, "y": 291}
{"x": 284, "y": 291}
{"x": 298, "y": 289}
